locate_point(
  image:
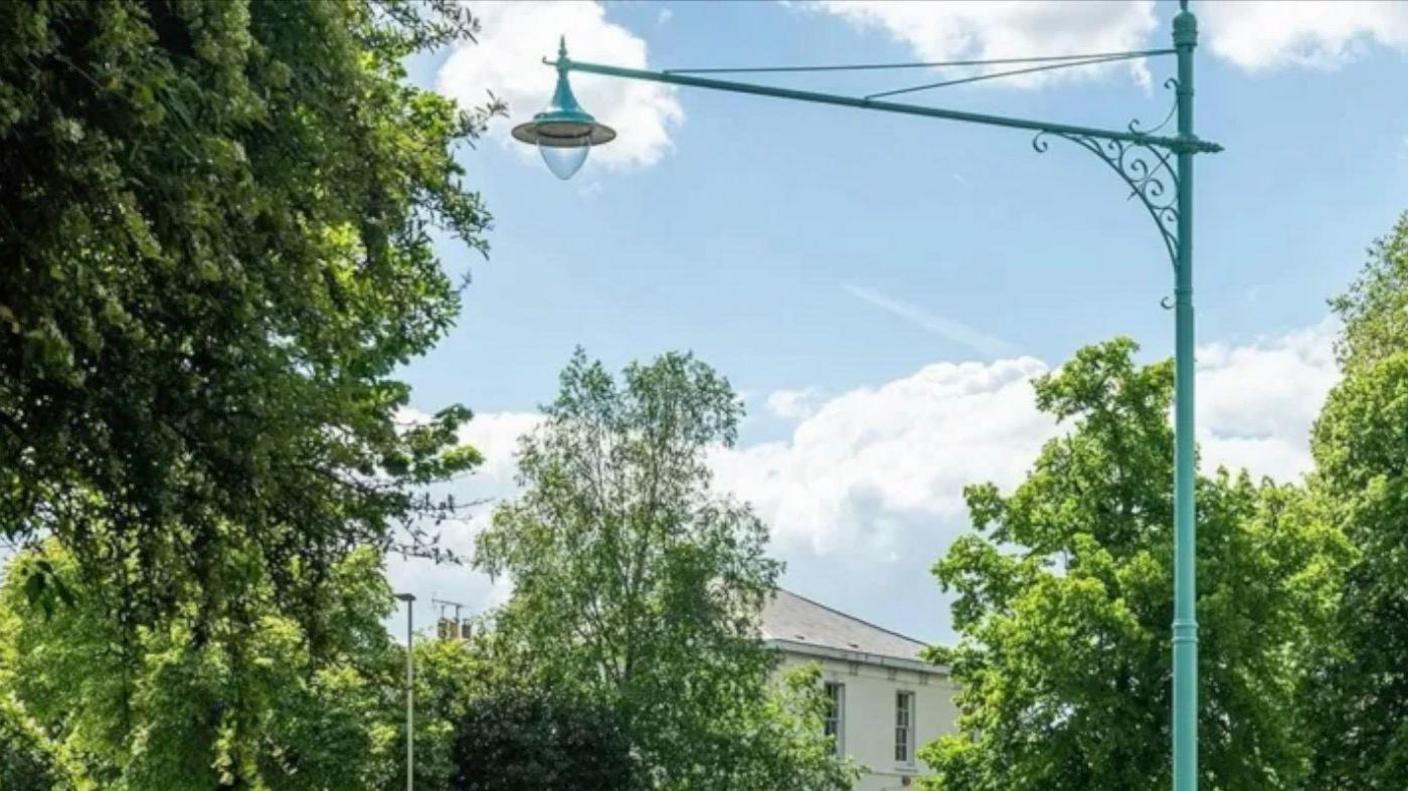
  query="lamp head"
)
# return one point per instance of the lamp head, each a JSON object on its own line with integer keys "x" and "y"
{"x": 564, "y": 133}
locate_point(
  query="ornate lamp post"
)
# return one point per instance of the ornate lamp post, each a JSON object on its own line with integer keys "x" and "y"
{"x": 1159, "y": 170}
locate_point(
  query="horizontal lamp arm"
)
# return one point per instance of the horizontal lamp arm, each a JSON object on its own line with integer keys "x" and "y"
{"x": 1169, "y": 143}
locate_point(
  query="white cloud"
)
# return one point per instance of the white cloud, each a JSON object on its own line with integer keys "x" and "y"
{"x": 794, "y": 404}
{"x": 949, "y": 329}
{"x": 1268, "y": 34}
{"x": 868, "y": 492}
{"x": 987, "y": 29}
{"x": 496, "y": 436}
{"x": 865, "y": 461}
{"x": 867, "y": 458}
{"x": 1256, "y": 402}
{"x": 508, "y": 61}
{"x": 1256, "y": 35}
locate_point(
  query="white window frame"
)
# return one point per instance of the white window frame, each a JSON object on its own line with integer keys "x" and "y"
{"x": 835, "y": 720}
{"x": 904, "y": 727}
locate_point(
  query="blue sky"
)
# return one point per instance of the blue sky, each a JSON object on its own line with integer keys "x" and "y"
{"x": 881, "y": 288}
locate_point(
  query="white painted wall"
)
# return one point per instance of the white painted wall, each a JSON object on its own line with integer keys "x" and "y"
{"x": 868, "y": 726}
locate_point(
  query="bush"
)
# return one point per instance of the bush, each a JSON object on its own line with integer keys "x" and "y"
{"x": 522, "y": 739}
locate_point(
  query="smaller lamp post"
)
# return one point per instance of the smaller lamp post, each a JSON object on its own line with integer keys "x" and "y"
{"x": 410, "y": 601}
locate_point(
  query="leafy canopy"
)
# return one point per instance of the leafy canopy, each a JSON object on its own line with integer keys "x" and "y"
{"x": 162, "y": 708}
{"x": 217, "y": 224}
{"x": 515, "y": 738}
{"x": 1357, "y": 703}
{"x": 639, "y": 588}
{"x": 1064, "y": 605}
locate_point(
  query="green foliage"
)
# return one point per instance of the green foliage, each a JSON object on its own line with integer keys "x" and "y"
{"x": 1375, "y": 308}
{"x": 1357, "y": 702}
{"x": 1064, "y": 605}
{"x": 782, "y": 738}
{"x": 451, "y": 676}
{"x": 516, "y": 739}
{"x": 237, "y": 702}
{"x": 216, "y": 221}
{"x": 28, "y": 759}
{"x": 638, "y": 588}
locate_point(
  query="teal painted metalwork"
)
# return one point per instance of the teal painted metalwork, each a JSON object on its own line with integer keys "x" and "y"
{"x": 1146, "y": 170}
{"x": 925, "y": 64}
{"x": 1170, "y": 143}
{"x": 1185, "y": 594}
{"x": 1159, "y": 171}
{"x": 564, "y": 124}
{"x": 997, "y": 75}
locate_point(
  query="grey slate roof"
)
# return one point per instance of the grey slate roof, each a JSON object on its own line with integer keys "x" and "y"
{"x": 790, "y": 618}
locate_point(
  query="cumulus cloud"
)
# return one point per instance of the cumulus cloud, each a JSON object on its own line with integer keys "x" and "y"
{"x": 985, "y": 29}
{"x": 1256, "y": 402}
{"x": 1256, "y": 35}
{"x": 864, "y": 462}
{"x": 793, "y": 404}
{"x": 496, "y": 435}
{"x": 508, "y": 61}
{"x": 1267, "y": 34}
{"x": 871, "y": 461}
{"x": 868, "y": 491}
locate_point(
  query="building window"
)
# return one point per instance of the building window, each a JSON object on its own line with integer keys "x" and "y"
{"x": 835, "y": 713}
{"x": 904, "y": 727}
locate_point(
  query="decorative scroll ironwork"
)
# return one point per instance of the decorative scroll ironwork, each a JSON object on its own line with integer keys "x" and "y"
{"x": 1147, "y": 168}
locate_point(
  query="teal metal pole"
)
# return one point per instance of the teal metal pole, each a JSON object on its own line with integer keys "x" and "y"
{"x": 1185, "y": 618}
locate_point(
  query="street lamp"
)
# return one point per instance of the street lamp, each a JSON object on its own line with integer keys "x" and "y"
{"x": 564, "y": 133}
{"x": 1157, "y": 168}
{"x": 410, "y": 601}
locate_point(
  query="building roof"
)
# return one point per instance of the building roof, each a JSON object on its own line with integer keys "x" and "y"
{"x": 798, "y": 621}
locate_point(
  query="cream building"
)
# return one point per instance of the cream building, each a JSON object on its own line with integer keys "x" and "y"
{"x": 885, "y": 701}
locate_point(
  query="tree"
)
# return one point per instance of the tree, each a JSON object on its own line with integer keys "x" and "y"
{"x": 516, "y": 739}
{"x": 451, "y": 677}
{"x": 1375, "y": 308}
{"x": 216, "y": 221}
{"x": 637, "y": 587}
{"x": 1357, "y": 703}
{"x": 27, "y": 758}
{"x": 1064, "y": 592}
{"x": 259, "y": 711}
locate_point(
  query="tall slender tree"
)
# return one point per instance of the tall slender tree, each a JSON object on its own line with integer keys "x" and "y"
{"x": 638, "y": 587}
